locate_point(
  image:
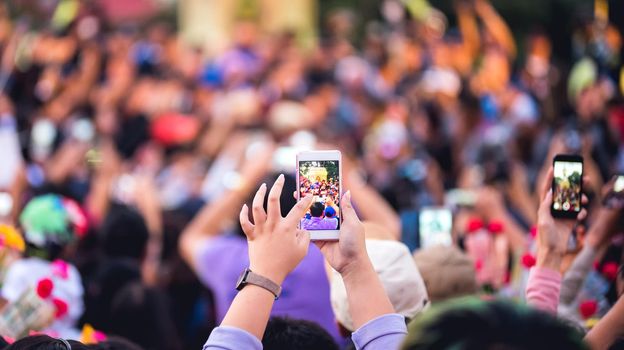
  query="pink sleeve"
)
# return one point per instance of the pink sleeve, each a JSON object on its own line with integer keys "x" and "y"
{"x": 543, "y": 288}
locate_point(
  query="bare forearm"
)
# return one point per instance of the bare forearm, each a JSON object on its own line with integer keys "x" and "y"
{"x": 250, "y": 310}
{"x": 212, "y": 216}
{"x": 497, "y": 27}
{"x": 548, "y": 259}
{"x": 373, "y": 207}
{"x": 62, "y": 165}
{"x": 98, "y": 199}
{"x": 515, "y": 233}
{"x": 608, "y": 329}
{"x": 469, "y": 30}
{"x": 149, "y": 206}
{"x": 367, "y": 297}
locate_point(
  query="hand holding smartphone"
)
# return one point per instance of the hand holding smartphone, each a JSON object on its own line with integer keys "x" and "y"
{"x": 567, "y": 186}
{"x": 320, "y": 173}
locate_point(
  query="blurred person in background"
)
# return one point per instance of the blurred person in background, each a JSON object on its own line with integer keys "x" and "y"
{"x": 158, "y": 141}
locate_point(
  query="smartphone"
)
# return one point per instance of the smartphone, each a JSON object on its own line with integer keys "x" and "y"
{"x": 567, "y": 186}
{"x": 434, "y": 226}
{"x": 320, "y": 173}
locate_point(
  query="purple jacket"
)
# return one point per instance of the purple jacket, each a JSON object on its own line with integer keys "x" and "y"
{"x": 305, "y": 292}
{"x": 384, "y": 333}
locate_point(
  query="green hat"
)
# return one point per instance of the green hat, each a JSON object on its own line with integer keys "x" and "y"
{"x": 583, "y": 75}
{"x": 45, "y": 220}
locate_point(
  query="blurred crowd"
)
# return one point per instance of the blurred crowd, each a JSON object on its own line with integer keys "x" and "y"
{"x": 127, "y": 153}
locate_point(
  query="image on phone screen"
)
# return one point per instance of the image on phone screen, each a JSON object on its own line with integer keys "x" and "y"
{"x": 321, "y": 179}
{"x": 567, "y": 191}
{"x": 434, "y": 225}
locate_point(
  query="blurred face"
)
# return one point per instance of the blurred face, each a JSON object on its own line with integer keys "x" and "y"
{"x": 494, "y": 74}
{"x": 245, "y": 34}
{"x": 589, "y": 103}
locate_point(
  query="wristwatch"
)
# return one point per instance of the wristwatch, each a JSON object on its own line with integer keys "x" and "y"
{"x": 249, "y": 277}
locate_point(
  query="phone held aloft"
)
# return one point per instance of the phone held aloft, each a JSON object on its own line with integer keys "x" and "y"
{"x": 319, "y": 173}
{"x": 567, "y": 186}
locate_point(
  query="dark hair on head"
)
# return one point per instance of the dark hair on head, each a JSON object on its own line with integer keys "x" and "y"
{"x": 317, "y": 209}
{"x": 45, "y": 342}
{"x": 285, "y": 333}
{"x": 115, "y": 343}
{"x": 142, "y": 315}
{"x": 124, "y": 233}
{"x": 100, "y": 290}
{"x": 473, "y": 324}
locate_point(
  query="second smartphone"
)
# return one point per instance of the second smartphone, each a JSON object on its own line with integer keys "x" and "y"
{"x": 567, "y": 186}
{"x": 319, "y": 173}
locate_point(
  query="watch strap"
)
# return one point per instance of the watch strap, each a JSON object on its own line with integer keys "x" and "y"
{"x": 263, "y": 282}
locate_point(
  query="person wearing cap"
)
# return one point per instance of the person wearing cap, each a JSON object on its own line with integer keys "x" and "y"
{"x": 447, "y": 272}
{"x": 399, "y": 276}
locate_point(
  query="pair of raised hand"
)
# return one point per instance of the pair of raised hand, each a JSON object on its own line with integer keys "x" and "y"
{"x": 277, "y": 245}
{"x": 553, "y": 234}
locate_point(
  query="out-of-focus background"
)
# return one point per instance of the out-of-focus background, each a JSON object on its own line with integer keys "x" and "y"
{"x": 132, "y": 131}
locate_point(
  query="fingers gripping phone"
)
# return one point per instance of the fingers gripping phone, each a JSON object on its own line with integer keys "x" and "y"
{"x": 319, "y": 173}
{"x": 567, "y": 186}
{"x": 615, "y": 198}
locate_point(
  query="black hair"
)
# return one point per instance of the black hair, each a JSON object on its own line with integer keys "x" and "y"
{"x": 115, "y": 343}
{"x": 472, "y": 324}
{"x": 124, "y": 233}
{"x": 317, "y": 209}
{"x": 285, "y": 333}
{"x": 45, "y": 342}
{"x": 111, "y": 276}
{"x": 142, "y": 315}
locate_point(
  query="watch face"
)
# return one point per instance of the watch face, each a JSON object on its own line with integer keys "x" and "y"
{"x": 241, "y": 280}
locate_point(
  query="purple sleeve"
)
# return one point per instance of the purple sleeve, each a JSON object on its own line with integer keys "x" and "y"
{"x": 385, "y": 332}
{"x": 219, "y": 257}
{"x": 231, "y": 338}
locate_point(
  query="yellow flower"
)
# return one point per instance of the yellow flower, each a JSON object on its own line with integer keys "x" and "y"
{"x": 12, "y": 238}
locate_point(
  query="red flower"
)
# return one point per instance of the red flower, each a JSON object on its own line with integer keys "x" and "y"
{"x": 533, "y": 231}
{"x": 588, "y": 308}
{"x": 478, "y": 265}
{"x": 496, "y": 227}
{"x": 610, "y": 270}
{"x": 61, "y": 307}
{"x": 474, "y": 224}
{"x": 44, "y": 288}
{"x": 528, "y": 260}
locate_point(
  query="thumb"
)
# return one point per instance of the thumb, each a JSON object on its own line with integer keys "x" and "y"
{"x": 348, "y": 213}
{"x": 544, "y": 208}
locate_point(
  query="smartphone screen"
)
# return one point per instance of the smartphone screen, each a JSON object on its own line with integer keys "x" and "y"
{"x": 321, "y": 178}
{"x": 567, "y": 186}
{"x": 435, "y": 226}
